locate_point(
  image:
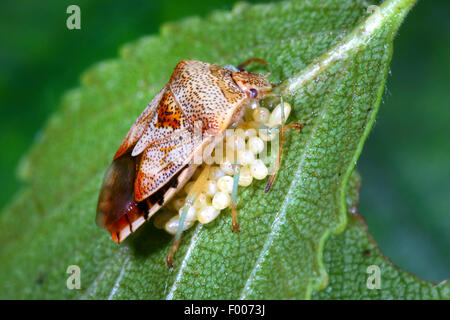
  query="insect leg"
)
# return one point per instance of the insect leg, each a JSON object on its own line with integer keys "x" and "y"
{"x": 233, "y": 204}
{"x": 190, "y": 199}
{"x": 280, "y": 149}
{"x": 282, "y": 129}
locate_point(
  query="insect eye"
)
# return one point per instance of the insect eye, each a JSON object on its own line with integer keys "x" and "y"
{"x": 253, "y": 93}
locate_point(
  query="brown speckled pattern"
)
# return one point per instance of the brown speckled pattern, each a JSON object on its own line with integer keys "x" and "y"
{"x": 138, "y": 128}
{"x": 206, "y": 93}
{"x": 162, "y": 161}
{"x": 170, "y": 114}
{"x": 159, "y": 129}
{"x": 163, "y": 136}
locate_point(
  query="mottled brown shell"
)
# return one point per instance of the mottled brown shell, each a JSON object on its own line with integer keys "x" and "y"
{"x": 162, "y": 142}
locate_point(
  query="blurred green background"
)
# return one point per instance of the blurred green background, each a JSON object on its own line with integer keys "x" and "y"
{"x": 405, "y": 164}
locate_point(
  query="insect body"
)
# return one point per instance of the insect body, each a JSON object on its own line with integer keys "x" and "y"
{"x": 155, "y": 159}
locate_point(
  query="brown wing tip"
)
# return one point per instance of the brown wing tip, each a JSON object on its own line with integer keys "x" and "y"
{"x": 123, "y": 227}
{"x": 117, "y": 211}
{"x": 115, "y": 236}
{"x": 133, "y": 216}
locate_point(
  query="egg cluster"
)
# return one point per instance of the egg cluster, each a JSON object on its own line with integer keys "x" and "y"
{"x": 243, "y": 147}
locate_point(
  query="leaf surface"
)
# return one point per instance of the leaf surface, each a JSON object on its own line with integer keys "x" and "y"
{"x": 351, "y": 256}
{"x": 332, "y": 58}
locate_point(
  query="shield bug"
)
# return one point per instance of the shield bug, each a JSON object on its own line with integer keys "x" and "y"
{"x": 155, "y": 160}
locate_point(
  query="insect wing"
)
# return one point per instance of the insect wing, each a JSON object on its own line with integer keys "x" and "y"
{"x": 141, "y": 124}
{"x": 169, "y": 119}
{"x": 161, "y": 161}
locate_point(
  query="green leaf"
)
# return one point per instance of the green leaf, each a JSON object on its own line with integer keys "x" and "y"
{"x": 333, "y": 58}
{"x": 348, "y": 255}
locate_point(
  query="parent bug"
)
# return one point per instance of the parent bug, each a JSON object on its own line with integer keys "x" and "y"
{"x": 155, "y": 160}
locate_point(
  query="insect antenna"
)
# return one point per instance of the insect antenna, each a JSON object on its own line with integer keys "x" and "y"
{"x": 242, "y": 66}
